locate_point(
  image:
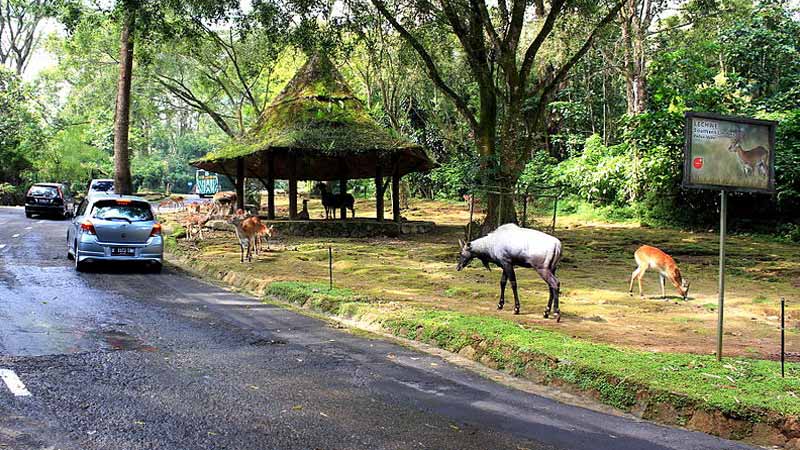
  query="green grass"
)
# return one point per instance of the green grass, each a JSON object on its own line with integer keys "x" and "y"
{"x": 742, "y": 387}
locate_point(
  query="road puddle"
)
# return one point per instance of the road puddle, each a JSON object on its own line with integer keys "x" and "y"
{"x": 121, "y": 341}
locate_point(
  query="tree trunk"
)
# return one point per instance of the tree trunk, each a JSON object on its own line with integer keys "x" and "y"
{"x": 122, "y": 163}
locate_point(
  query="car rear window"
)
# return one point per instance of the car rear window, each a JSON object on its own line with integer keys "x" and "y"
{"x": 43, "y": 191}
{"x": 102, "y": 186}
{"x": 122, "y": 210}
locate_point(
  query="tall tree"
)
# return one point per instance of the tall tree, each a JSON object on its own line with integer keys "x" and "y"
{"x": 19, "y": 26}
{"x": 508, "y": 120}
{"x": 636, "y": 18}
{"x": 122, "y": 162}
{"x": 153, "y": 19}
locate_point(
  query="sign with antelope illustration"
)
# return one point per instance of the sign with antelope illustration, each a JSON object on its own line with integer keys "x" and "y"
{"x": 729, "y": 153}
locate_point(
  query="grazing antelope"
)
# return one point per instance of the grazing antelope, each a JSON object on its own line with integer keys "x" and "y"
{"x": 750, "y": 160}
{"x": 648, "y": 257}
{"x": 509, "y": 246}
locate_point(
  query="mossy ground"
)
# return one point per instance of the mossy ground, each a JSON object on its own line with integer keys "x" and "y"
{"x": 419, "y": 271}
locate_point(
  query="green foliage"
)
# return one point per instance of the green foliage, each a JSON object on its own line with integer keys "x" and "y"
{"x": 764, "y": 50}
{"x": 21, "y": 137}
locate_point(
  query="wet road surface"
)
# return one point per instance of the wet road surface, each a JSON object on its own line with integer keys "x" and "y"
{"x": 122, "y": 359}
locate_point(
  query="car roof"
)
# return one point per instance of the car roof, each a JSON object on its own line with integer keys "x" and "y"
{"x": 102, "y": 179}
{"x": 49, "y": 184}
{"x": 96, "y": 197}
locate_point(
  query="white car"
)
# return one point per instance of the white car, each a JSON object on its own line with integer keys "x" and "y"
{"x": 101, "y": 186}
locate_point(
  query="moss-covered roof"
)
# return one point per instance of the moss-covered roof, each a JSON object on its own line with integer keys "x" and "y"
{"x": 318, "y": 123}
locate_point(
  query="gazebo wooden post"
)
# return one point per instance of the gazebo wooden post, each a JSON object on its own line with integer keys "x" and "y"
{"x": 379, "y": 191}
{"x": 342, "y": 191}
{"x": 396, "y": 192}
{"x": 240, "y": 183}
{"x": 271, "y": 186}
{"x": 292, "y": 187}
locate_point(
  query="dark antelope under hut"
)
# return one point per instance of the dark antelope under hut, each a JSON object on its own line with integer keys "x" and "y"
{"x": 316, "y": 129}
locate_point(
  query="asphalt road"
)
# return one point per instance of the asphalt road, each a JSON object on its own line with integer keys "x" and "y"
{"x": 122, "y": 359}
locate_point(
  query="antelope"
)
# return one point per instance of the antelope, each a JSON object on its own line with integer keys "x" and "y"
{"x": 750, "y": 160}
{"x": 509, "y": 246}
{"x": 648, "y": 257}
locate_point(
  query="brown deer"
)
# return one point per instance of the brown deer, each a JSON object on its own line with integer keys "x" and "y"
{"x": 750, "y": 160}
{"x": 248, "y": 230}
{"x": 197, "y": 221}
{"x": 648, "y": 257}
{"x": 222, "y": 199}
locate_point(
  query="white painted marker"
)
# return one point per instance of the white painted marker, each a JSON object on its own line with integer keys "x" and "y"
{"x": 2, "y": 246}
{"x": 15, "y": 236}
{"x": 28, "y": 228}
{"x": 13, "y": 382}
{"x": 41, "y": 221}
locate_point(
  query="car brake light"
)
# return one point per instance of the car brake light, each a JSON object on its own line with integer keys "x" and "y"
{"x": 123, "y": 201}
{"x": 87, "y": 227}
{"x": 156, "y": 231}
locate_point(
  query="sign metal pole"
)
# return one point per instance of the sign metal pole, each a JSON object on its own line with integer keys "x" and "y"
{"x": 723, "y": 213}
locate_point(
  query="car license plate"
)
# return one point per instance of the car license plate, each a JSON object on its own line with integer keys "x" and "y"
{"x": 123, "y": 251}
{"x": 43, "y": 201}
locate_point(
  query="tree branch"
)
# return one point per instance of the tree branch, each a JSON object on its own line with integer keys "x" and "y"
{"x": 433, "y": 71}
{"x": 533, "y": 48}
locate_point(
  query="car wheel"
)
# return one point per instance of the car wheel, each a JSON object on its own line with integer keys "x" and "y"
{"x": 28, "y": 214}
{"x": 80, "y": 266}
{"x": 156, "y": 268}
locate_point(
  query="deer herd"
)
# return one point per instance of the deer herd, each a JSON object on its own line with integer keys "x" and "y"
{"x": 250, "y": 231}
{"x": 507, "y": 247}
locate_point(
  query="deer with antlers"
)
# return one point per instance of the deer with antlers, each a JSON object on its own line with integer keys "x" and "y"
{"x": 757, "y": 158}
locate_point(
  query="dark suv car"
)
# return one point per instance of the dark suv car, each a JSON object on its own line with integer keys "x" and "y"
{"x": 49, "y": 198}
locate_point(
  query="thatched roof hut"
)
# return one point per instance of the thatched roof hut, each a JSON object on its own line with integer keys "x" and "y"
{"x": 316, "y": 129}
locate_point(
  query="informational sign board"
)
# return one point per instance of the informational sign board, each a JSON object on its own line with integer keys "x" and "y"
{"x": 729, "y": 153}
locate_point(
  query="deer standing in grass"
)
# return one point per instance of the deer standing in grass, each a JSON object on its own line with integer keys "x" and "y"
{"x": 222, "y": 199}
{"x": 195, "y": 221}
{"x": 648, "y": 257}
{"x": 757, "y": 158}
{"x": 249, "y": 231}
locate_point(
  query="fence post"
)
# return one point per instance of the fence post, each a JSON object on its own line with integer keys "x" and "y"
{"x": 555, "y": 211}
{"x": 525, "y": 210}
{"x": 471, "y": 210}
{"x": 330, "y": 268}
{"x": 783, "y": 341}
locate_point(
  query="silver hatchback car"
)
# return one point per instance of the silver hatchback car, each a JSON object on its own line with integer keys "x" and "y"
{"x": 115, "y": 228}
